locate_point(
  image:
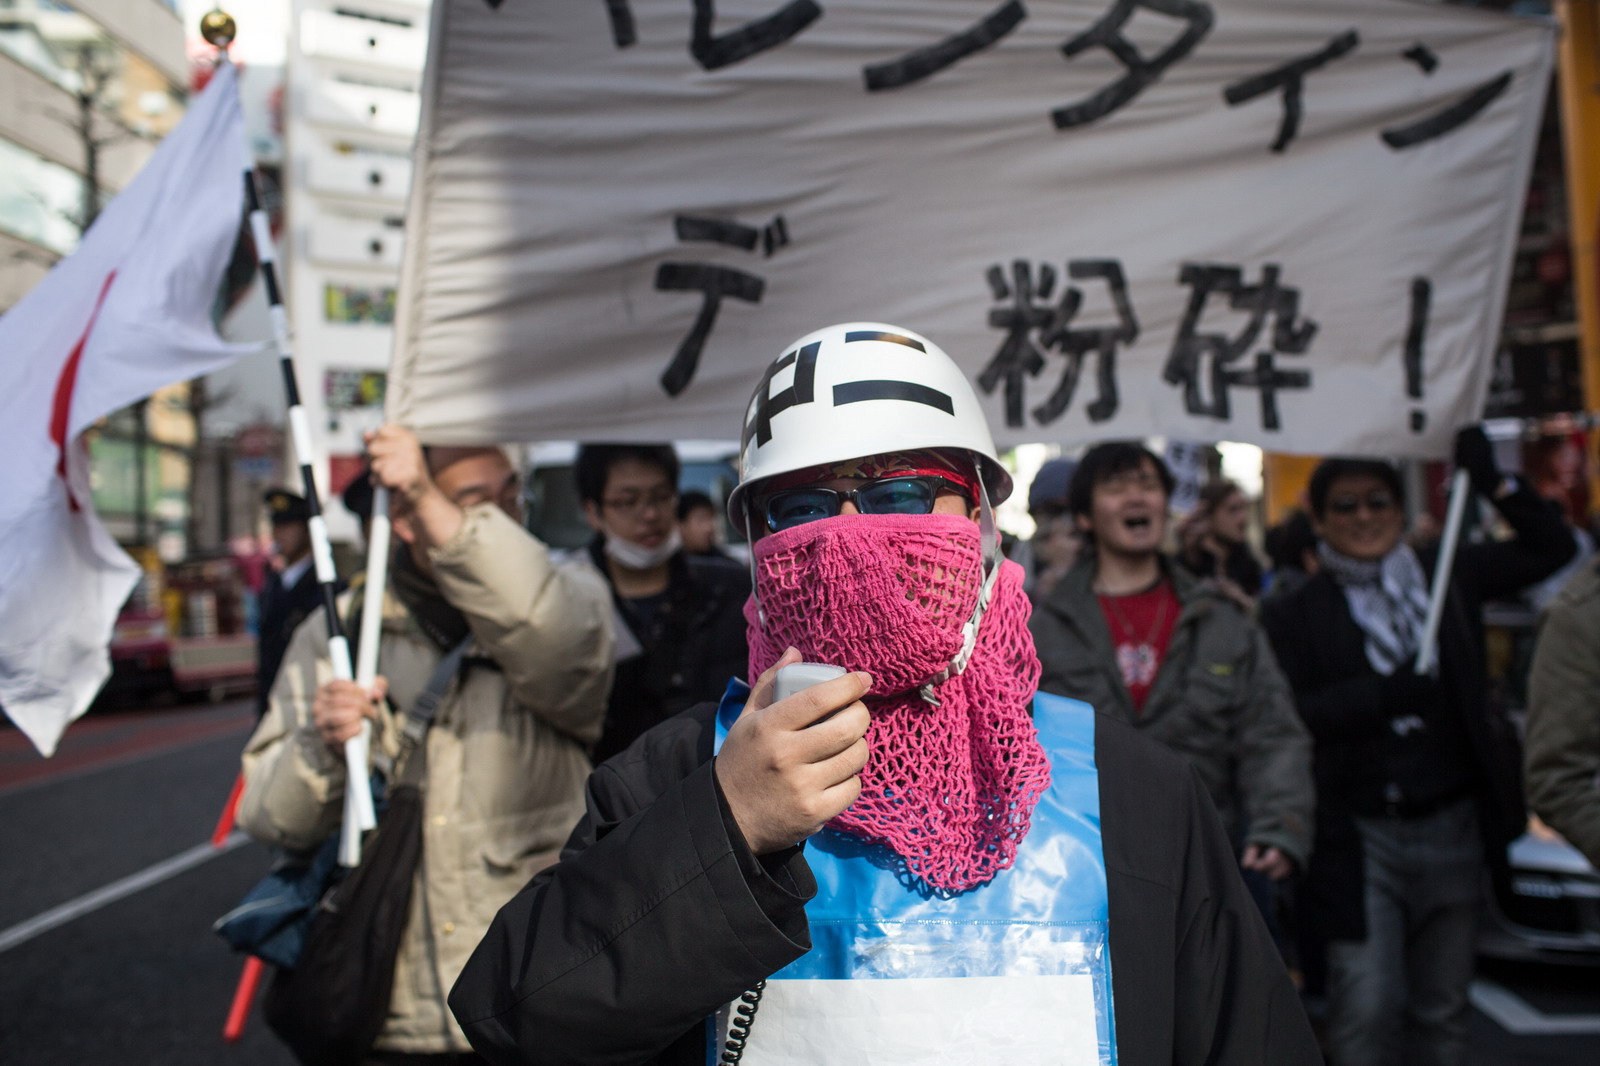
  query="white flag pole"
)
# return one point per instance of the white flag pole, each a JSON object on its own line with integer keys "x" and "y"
{"x": 1460, "y": 492}
{"x": 358, "y": 748}
{"x": 359, "y": 814}
{"x": 377, "y": 581}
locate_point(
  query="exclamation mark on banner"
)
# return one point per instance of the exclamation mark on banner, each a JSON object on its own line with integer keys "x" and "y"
{"x": 1416, "y": 340}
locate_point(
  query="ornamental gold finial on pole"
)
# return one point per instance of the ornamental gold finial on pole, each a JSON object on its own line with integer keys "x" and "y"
{"x": 218, "y": 28}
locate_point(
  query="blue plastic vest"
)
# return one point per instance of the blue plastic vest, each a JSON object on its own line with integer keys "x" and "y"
{"x": 1035, "y": 936}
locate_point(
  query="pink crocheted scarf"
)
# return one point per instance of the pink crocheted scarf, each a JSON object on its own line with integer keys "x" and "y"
{"x": 951, "y": 788}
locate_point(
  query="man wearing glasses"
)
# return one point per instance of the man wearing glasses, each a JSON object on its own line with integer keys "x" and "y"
{"x": 677, "y": 617}
{"x": 920, "y": 859}
{"x": 1416, "y": 775}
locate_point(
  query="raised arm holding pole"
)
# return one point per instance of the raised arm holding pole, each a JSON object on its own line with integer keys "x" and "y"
{"x": 1476, "y": 471}
{"x": 1428, "y": 649}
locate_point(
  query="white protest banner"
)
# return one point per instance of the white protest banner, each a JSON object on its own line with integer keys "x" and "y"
{"x": 1287, "y": 222}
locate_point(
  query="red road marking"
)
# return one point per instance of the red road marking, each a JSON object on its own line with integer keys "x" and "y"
{"x": 102, "y": 740}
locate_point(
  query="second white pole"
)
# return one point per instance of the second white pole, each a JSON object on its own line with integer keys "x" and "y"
{"x": 358, "y": 812}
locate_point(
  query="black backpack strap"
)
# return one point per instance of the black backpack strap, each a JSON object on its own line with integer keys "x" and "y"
{"x": 414, "y": 753}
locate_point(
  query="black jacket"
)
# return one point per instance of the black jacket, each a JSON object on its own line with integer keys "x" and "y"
{"x": 1347, "y": 705}
{"x": 692, "y": 644}
{"x": 282, "y": 611}
{"x": 658, "y": 914}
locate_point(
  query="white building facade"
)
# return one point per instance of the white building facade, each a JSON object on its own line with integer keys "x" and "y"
{"x": 354, "y": 71}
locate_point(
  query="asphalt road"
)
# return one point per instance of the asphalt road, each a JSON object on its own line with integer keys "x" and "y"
{"x": 141, "y": 978}
{"x": 108, "y": 888}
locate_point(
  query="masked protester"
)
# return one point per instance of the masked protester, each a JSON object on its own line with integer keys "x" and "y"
{"x": 919, "y": 860}
{"x": 679, "y": 630}
{"x": 506, "y": 756}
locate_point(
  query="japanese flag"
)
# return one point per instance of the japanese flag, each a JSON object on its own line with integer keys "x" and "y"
{"x": 124, "y": 315}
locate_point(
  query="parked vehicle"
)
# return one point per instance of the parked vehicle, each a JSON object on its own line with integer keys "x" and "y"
{"x": 184, "y": 630}
{"x": 1551, "y": 912}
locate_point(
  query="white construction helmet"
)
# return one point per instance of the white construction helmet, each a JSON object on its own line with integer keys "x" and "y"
{"x": 859, "y": 389}
{"x": 865, "y": 388}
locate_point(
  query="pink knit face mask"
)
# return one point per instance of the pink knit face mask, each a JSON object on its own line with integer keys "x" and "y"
{"x": 948, "y": 788}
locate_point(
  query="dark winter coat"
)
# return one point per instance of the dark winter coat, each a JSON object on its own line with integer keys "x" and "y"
{"x": 692, "y": 645}
{"x": 281, "y": 612}
{"x": 1348, "y": 705}
{"x": 1218, "y": 699}
{"x": 658, "y": 914}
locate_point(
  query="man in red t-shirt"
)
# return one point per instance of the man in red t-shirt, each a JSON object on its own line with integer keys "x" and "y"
{"x": 1139, "y": 639}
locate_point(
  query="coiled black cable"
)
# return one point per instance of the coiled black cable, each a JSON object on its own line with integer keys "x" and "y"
{"x": 739, "y": 1025}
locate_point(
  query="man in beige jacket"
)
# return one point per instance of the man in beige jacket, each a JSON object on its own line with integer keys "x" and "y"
{"x": 507, "y": 752}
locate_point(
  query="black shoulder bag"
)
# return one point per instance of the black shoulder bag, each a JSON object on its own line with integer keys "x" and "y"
{"x": 331, "y": 1006}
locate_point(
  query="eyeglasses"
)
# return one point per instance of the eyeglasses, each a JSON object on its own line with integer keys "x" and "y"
{"x": 637, "y": 502}
{"x": 913, "y": 494}
{"x": 1376, "y": 502}
{"x": 507, "y": 494}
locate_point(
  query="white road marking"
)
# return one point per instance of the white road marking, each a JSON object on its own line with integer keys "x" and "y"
{"x": 90, "y": 902}
{"x": 1519, "y": 1018}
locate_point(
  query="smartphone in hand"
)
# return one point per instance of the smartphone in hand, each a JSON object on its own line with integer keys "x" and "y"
{"x": 797, "y": 677}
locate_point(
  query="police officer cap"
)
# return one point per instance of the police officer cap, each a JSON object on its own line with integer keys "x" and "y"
{"x": 285, "y": 506}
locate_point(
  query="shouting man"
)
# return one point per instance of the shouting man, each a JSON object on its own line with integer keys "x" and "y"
{"x": 1140, "y": 639}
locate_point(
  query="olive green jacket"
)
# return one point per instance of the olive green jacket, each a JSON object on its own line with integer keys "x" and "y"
{"x": 1218, "y": 699}
{"x": 1562, "y": 751}
{"x": 507, "y": 753}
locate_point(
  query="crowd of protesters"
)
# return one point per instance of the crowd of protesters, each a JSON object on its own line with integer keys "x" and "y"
{"x": 1165, "y": 678}
{"x": 1417, "y": 784}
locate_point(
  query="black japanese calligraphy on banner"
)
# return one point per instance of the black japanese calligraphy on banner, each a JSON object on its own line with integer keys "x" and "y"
{"x": 1450, "y": 118}
{"x": 1141, "y": 71}
{"x": 1034, "y": 329}
{"x": 925, "y": 62}
{"x": 712, "y": 50}
{"x": 1205, "y": 366}
{"x": 1416, "y": 345}
{"x": 1206, "y": 362}
{"x": 1210, "y": 219}
{"x": 714, "y": 282}
{"x": 1290, "y": 79}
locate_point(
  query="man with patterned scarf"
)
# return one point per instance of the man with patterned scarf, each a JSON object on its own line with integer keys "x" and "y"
{"x": 921, "y": 859}
{"x": 1416, "y": 776}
